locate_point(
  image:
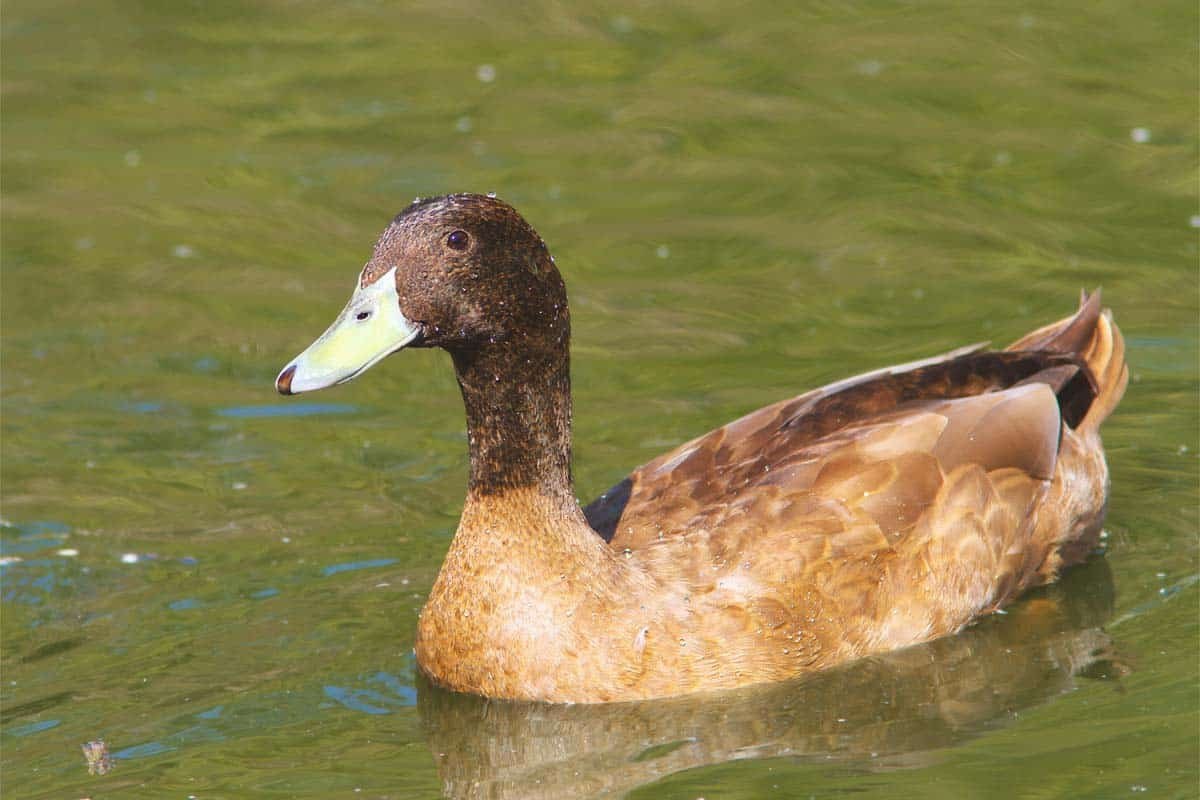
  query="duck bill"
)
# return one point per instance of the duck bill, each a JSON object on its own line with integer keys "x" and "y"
{"x": 369, "y": 328}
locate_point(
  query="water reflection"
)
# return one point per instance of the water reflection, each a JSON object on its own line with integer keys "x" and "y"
{"x": 883, "y": 713}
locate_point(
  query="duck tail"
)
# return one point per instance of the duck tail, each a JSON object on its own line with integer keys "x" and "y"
{"x": 1091, "y": 336}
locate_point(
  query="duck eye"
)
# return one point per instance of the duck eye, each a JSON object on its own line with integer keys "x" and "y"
{"x": 360, "y": 316}
{"x": 458, "y": 240}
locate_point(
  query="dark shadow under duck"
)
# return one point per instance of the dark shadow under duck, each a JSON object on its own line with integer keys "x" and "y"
{"x": 869, "y": 515}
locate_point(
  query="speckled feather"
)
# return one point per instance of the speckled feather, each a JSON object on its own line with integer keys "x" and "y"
{"x": 869, "y": 515}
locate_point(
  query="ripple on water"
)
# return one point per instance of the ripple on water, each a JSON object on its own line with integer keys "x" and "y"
{"x": 143, "y": 750}
{"x": 350, "y": 566}
{"x": 287, "y": 410}
{"x": 33, "y": 727}
{"x": 141, "y": 407}
{"x": 32, "y": 581}
{"x": 30, "y": 537}
{"x": 394, "y": 693}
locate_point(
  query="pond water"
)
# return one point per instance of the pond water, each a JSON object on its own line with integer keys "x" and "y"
{"x": 222, "y": 584}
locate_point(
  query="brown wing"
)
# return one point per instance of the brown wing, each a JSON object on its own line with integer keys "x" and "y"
{"x": 884, "y": 434}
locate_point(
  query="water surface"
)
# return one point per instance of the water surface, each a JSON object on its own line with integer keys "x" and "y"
{"x": 222, "y": 584}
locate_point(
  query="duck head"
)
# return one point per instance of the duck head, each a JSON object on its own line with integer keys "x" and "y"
{"x": 463, "y": 272}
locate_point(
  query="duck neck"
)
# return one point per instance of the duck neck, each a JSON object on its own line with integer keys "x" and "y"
{"x": 518, "y": 404}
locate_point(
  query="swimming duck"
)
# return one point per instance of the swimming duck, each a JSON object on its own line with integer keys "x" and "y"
{"x": 872, "y": 514}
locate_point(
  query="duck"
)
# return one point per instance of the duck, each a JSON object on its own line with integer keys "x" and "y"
{"x": 868, "y": 515}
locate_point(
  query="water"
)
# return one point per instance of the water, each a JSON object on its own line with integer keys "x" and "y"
{"x": 222, "y": 585}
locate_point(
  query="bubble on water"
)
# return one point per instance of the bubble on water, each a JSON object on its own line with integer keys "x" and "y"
{"x": 182, "y": 251}
{"x": 1140, "y": 135}
{"x": 486, "y": 73}
{"x": 663, "y": 251}
{"x": 870, "y": 67}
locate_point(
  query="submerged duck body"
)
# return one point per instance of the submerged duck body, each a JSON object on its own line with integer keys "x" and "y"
{"x": 868, "y": 515}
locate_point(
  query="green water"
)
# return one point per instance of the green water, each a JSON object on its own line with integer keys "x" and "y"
{"x": 745, "y": 203}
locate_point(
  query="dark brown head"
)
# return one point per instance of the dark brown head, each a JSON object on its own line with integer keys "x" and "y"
{"x": 463, "y": 272}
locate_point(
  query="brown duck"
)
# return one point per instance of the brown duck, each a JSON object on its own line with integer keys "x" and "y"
{"x": 868, "y": 515}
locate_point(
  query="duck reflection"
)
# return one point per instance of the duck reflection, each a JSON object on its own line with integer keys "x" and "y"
{"x": 888, "y": 710}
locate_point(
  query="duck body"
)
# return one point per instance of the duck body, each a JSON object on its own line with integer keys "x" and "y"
{"x": 872, "y": 514}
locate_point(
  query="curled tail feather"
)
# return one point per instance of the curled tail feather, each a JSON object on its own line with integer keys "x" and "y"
{"x": 1092, "y": 336}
